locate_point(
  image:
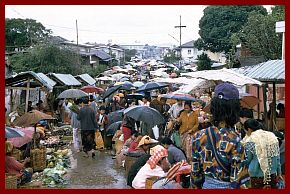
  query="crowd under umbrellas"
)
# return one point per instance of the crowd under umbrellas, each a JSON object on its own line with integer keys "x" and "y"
{"x": 144, "y": 111}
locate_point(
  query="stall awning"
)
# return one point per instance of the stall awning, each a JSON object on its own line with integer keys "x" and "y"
{"x": 37, "y": 80}
{"x": 87, "y": 78}
{"x": 65, "y": 79}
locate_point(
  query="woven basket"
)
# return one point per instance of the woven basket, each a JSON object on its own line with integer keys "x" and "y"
{"x": 10, "y": 181}
{"x": 129, "y": 161}
{"x": 38, "y": 159}
{"x": 149, "y": 182}
{"x": 17, "y": 154}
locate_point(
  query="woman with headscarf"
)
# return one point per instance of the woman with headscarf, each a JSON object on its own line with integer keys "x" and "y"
{"x": 263, "y": 156}
{"x": 157, "y": 165}
{"x": 188, "y": 120}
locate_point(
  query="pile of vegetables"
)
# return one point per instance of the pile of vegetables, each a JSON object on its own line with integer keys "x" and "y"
{"x": 57, "y": 164}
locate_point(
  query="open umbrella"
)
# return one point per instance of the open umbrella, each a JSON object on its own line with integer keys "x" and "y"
{"x": 152, "y": 86}
{"x": 179, "y": 96}
{"x": 111, "y": 90}
{"x": 72, "y": 93}
{"x": 138, "y": 84}
{"x": 31, "y": 118}
{"x": 92, "y": 89}
{"x": 20, "y": 141}
{"x": 127, "y": 86}
{"x": 113, "y": 128}
{"x": 116, "y": 116}
{"x": 248, "y": 100}
{"x": 13, "y": 132}
{"x": 146, "y": 114}
{"x": 135, "y": 96}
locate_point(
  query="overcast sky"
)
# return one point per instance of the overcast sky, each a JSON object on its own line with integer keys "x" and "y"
{"x": 123, "y": 24}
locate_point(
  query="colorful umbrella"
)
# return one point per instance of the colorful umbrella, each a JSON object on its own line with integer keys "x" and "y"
{"x": 20, "y": 141}
{"x": 92, "y": 89}
{"x": 13, "y": 132}
{"x": 179, "y": 96}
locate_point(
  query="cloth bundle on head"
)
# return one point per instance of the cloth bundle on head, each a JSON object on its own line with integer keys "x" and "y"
{"x": 146, "y": 140}
{"x": 226, "y": 91}
{"x": 158, "y": 153}
{"x": 8, "y": 147}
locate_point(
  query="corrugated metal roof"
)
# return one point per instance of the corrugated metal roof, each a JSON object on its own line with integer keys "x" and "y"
{"x": 46, "y": 79}
{"x": 270, "y": 71}
{"x": 87, "y": 78}
{"x": 38, "y": 80}
{"x": 66, "y": 79}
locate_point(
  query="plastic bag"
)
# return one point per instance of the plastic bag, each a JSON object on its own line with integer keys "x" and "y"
{"x": 176, "y": 139}
{"x": 155, "y": 130}
{"x": 99, "y": 140}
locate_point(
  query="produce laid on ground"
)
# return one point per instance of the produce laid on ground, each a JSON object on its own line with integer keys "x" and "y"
{"x": 58, "y": 163}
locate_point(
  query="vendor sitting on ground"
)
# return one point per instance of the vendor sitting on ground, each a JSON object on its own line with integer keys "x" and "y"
{"x": 174, "y": 154}
{"x": 157, "y": 165}
{"x": 12, "y": 166}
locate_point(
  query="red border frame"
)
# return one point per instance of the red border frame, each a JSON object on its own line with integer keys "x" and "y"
{"x": 126, "y": 2}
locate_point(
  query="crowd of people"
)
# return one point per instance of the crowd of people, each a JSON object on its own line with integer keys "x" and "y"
{"x": 223, "y": 149}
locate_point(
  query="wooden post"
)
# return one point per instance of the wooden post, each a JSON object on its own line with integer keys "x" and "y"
{"x": 274, "y": 106}
{"x": 27, "y": 95}
{"x": 259, "y": 111}
{"x": 265, "y": 104}
{"x": 11, "y": 100}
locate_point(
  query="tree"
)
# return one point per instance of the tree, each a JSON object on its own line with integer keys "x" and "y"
{"x": 47, "y": 58}
{"x": 204, "y": 62}
{"x": 129, "y": 54}
{"x": 171, "y": 57}
{"x": 23, "y": 33}
{"x": 220, "y": 22}
{"x": 259, "y": 34}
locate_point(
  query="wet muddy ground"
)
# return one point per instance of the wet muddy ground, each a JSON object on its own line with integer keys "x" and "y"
{"x": 100, "y": 172}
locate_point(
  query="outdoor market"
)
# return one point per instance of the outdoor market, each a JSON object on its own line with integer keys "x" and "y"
{"x": 147, "y": 127}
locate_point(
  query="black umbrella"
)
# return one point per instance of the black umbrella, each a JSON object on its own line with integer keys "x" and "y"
{"x": 116, "y": 116}
{"x": 146, "y": 114}
{"x": 152, "y": 86}
{"x": 110, "y": 91}
{"x": 135, "y": 96}
{"x": 111, "y": 130}
{"x": 127, "y": 86}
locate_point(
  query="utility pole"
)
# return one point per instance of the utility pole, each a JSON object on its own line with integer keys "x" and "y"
{"x": 180, "y": 26}
{"x": 77, "y": 32}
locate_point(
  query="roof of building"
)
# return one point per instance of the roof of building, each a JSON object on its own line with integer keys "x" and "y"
{"x": 98, "y": 53}
{"x": 270, "y": 71}
{"x": 189, "y": 44}
{"x": 87, "y": 78}
{"x": 65, "y": 79}
{"x": 36, "y": 80}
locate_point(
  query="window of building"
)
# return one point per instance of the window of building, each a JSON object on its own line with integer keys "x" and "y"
{"x": 189, "y": 52}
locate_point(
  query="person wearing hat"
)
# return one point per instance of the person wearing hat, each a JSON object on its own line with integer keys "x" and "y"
{"x": 15, "y": 167}
{"x": 217, "y": 150}
{"x": 145, "y": 143}
{"x": 157, "y": 165}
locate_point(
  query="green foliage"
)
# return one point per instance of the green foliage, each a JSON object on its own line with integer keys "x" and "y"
{"x": 95, "y": 71}
{"x": 23, "y": 33}
{"x": 220, "y": 22}
{"x": 259, "y": 34}
{"x": 204, "y": 62}
{"x": 47, "y": 58}
{"x": 171, "y": 57}
{"x": 130, "y": 53}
